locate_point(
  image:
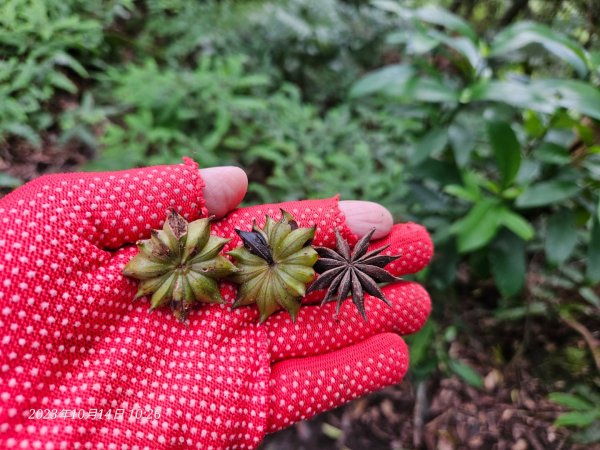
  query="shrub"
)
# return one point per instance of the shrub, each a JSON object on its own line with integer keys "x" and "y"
{"x": 46, "y": 50}
{"x": 321, "y": 47}
{"x": 221, "y": 114}
{"x": 167, "y": 113}
{"x": 507, "y": 158}
{"x": 504, "y": 169}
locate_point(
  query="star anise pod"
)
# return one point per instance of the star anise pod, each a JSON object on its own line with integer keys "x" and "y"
{"x": 180, "y": 265}
{"x": 345, "y": 273}
{"x": 275, "y": 264}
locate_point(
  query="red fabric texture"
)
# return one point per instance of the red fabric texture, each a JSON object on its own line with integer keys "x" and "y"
{"x": 74, "y": 344}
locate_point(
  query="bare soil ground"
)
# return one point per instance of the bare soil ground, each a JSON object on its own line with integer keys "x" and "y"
{"x": 511, "y": 412}
{"x": 23, "y": 161}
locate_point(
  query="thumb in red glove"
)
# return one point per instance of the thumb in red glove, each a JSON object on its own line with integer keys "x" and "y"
{"x": 74, "y": 346}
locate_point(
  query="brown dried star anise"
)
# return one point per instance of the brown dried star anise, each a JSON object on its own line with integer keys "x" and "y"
{"x": 343, "y": 272}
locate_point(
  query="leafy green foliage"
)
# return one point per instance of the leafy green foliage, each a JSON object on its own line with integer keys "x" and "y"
{"x": 504, "y": 170}
{"x": 584, "y": 406}
{"x": 326, "y": 171}
{"x": 170, "y": 113}
{"x": 507, "y": 151}
{"x": 221, "y": 114}
{"x": 504, "y": 134}
{"x": 524, "y": 34}
{"x": 322, "y": 47}
{"x": 593, "y": 264}
{"x": 429, "y": 349}
{"x": 8, "y": 181}
{"x": 561, "y": 236}
{"x": 42, "y": 47}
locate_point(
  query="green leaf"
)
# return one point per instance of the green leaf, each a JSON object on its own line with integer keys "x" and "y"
{"x": 515, "y": 93}
{"x": 9, "y": 181}
{"x": 561, "y": 236}
{"x": 462, "y": 140}
{"x": 522, "y": 34}
{"x": 330, "y": 431}
{"x": 520, "y": 312}
{"x": 589, "y": 435}
{"x": 440, "y": 16}
{"x": 551, "y": 153}
{"x": 399, "y": 81}
{"x": 479, "y": 226}
{"x": 466, "y": 372}
{"x": 506, "y": 150}
{"x": 440, "y": 171}
{"x": 420, "y": 343}
{"x": 539, "y": 95}
{"x": 570, "y": 401}
{"x": 530, "y": 171}
{"x": 546, "y": 193}
{"x": 461, "y": 45}
{"x": 571, "y": 94}
{"x": 64, "y": 59}
{"x": 391, "y": 6}
{"x": 468, "y": 49}
{"x": 61, "y": 81}
{"x": 593, "y": 256}
{"x": 434, "y": 141}
{"x": 25, "y": 131}
{"x": 517, "y": 224}
{"x": 416, "y": 41}
{"x": 575, "y": 419}
{"x": 472, "y": 181}
{"x": 595, "y": 59}
{"x": 533, "y": 124}
{"x": 507, "y": 261}
{"x": 590, "y": 296}
{"x": 391, "y": 80}
{"x": 461, "y": 192}
{"x": 430, "y": 90}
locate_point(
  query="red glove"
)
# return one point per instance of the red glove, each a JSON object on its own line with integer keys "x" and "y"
{"x": 73, "y": 344}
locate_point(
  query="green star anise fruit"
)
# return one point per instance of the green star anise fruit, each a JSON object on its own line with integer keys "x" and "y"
{"x": 180, "y": 265}
{"x": 276, "y": 263}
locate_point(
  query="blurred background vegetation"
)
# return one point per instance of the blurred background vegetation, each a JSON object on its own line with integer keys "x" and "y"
{"x": 479, "y": 119}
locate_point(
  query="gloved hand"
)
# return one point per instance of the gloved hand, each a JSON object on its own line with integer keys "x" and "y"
{"x": 74, "y": 344}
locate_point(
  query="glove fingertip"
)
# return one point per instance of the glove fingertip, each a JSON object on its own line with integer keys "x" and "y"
{"x": 199, "y": 188}
{"x": 414, "y": 245}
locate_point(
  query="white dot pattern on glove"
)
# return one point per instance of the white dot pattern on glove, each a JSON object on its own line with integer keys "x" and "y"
{"x": 302, "y": 388}
{"x": 312, "y": 335}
